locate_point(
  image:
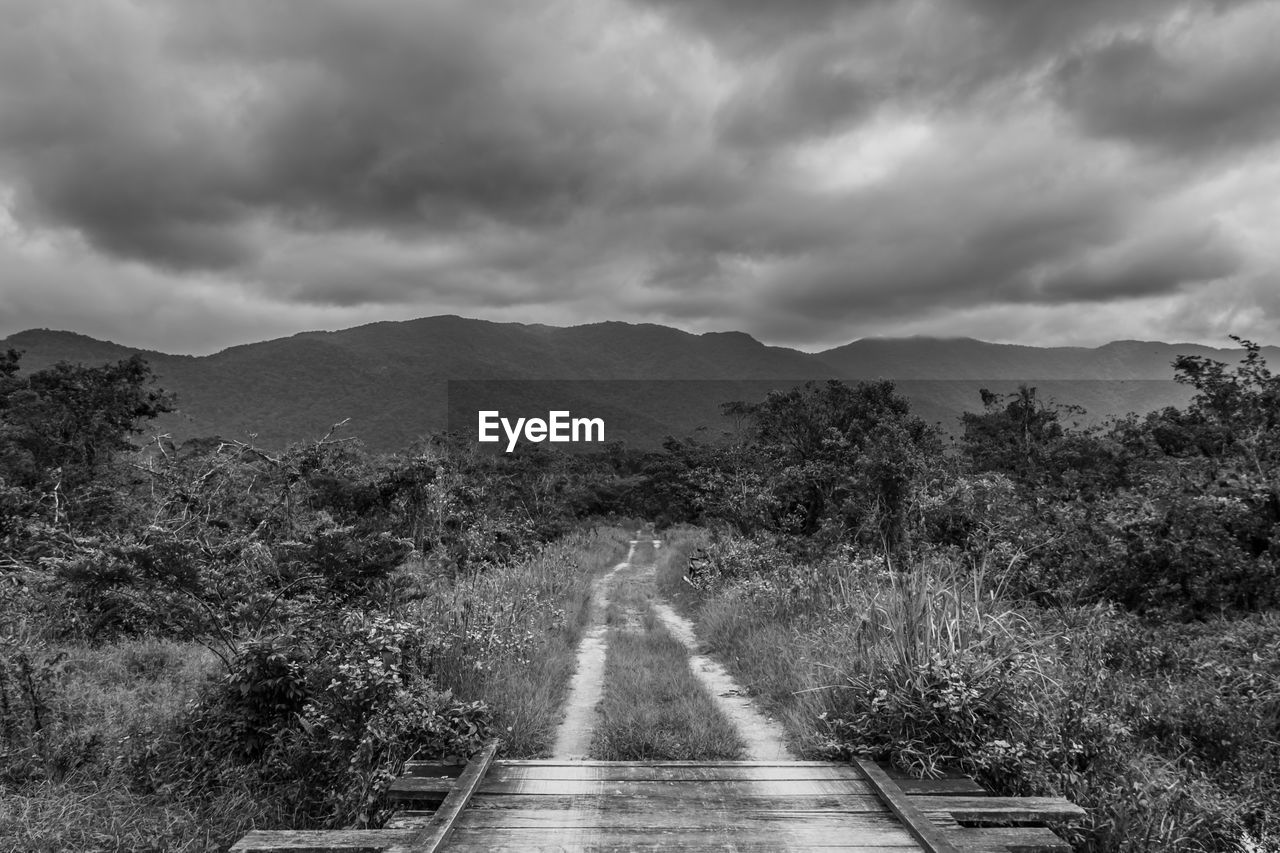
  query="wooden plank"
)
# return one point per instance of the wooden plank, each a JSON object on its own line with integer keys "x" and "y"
{"x": 1005, "y": 839}
{"x": 638, "y": 805}
{"x": 507, "y": 762}
{"x": 941, "y": 787}
{"x": 409, "y": 819}
{"x": 408, "y": 787}
{"x": 754, "y": 807}
{"x": 692, "y": 817}
{"x": 931, "y": 838}
{"x": 321, "y": 841}
{"x": 1001, "y": 809}
{"x": 642, "y": 844}
{"x": 642, "y": 838}
{"x": 432, "y": 837}
{"x": 434, "y": 769}
{"x": 628, "y": 772}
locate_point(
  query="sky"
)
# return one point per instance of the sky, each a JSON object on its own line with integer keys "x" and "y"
{"x": 184, "y": 176}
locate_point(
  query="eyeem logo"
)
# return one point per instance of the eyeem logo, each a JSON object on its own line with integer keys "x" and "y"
{"x": 557, "y": 428}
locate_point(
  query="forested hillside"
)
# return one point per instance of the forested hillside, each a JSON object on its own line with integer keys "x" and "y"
{"x": 391, "y": 379}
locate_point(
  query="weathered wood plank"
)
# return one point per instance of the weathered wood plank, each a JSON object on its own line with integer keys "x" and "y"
{"x": 407, "y": 787}
{"x": 1001, "y": 809}
{"x": 941, "y": 787}
{"x": 641, "y": 838}
{"x": 508, "y": 762}
{"x": 603, "y": 807}
{"x": 409, "y": 819}
{"x": 321, "y": 841}
{"x": 690, "y": 818}
{"x": 984, "y": 840}
{"x": 1018, "y": 839}
{"x": 501, "y": 772}
{"x": 436, "y": 769}
{"x": 647, "y": 805}
{"x": 931, "y": 838}
{"x": 642, "y": 844}
{"x": 432, "y": 837}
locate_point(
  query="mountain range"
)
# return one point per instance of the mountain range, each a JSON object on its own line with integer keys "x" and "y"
{"x": 395, "y": 382}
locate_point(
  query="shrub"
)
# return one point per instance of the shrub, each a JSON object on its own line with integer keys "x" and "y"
{"x": 324, "y": 717}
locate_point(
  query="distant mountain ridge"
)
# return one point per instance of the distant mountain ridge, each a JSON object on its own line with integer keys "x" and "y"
{"x": 966, "y": 358}
{"x": 390, "y": 378}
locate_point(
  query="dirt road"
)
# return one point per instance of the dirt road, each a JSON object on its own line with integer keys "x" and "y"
{"x": 630, "y": 582}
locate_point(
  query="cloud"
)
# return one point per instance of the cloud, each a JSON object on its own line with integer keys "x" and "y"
{"x": 796, "y": 96}
{"x": 758, "y": 25}
{"x": 98, "y": 140}
{"x": 1209, "y": 85}
{"x": 408, "y": 116}
{"x": 807, "y": 171}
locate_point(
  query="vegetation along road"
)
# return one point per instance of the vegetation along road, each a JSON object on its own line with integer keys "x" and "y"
{"x": 202, "y": 639}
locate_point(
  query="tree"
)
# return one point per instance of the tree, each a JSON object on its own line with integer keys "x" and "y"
{"x": 845, "y": 454}
{"x": 1014, "y": 434}
{"x": 63, "y": 424}
{"x": 1234, "y": 413}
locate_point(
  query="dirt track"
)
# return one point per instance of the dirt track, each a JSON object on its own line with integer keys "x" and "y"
{"x": 763, "y": 737}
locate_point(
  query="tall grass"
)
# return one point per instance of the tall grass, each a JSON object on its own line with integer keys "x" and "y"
{"x": 75, "y": 720}
{"x": 1144, "y": 726}
{"x": 64, "y": 780}
{"x": 508, "y": 634}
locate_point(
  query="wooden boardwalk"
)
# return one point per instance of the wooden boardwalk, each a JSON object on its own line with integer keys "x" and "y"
{"x": 749, "y": 806}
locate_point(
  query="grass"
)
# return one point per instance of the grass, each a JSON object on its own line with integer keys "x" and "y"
{"x": 1166, "y": 734}
{"x": 511, "y": 633}
{"x": 506, "y": 635}
{"x": 102, "y": 815}
{"x": 64, "y": 787}
{"x": 653, "y": 707}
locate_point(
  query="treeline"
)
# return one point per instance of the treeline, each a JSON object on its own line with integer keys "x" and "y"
{"x": 1174, "y": 513}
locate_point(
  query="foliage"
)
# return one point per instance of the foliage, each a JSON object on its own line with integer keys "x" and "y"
{"x": 845, "y": 457}
{"x": 1165, "y": 733}
{"x": 325, "y": 717}
{"x": 60, "y": 427}
{"x": 1238, "y": 410}
{"x": 1053, "y": 609}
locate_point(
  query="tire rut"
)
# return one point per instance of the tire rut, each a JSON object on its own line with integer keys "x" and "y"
{"x": 764, "y": 737}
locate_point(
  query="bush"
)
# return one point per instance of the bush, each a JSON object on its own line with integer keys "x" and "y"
{"x": 324, "y": 718}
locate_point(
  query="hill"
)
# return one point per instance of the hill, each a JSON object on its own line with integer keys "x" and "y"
{"x": 392, "y": 379}
{"x": 966, "y": 358}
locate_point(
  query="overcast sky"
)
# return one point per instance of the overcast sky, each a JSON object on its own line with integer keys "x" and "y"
{"x": 189, "y": 175}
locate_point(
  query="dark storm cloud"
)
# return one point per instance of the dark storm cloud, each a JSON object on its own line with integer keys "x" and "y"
{"x": 1133, "y": 89}
{"x": 1154, "y": 267}
{"x": 400, "y": 115}
{"x": 808, "y": 170}
{"x": 413, "y": 118}
{"x": 97, "y": 145}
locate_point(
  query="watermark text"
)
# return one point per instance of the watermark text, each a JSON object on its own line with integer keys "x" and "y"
{"x": 559, "y": 427}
